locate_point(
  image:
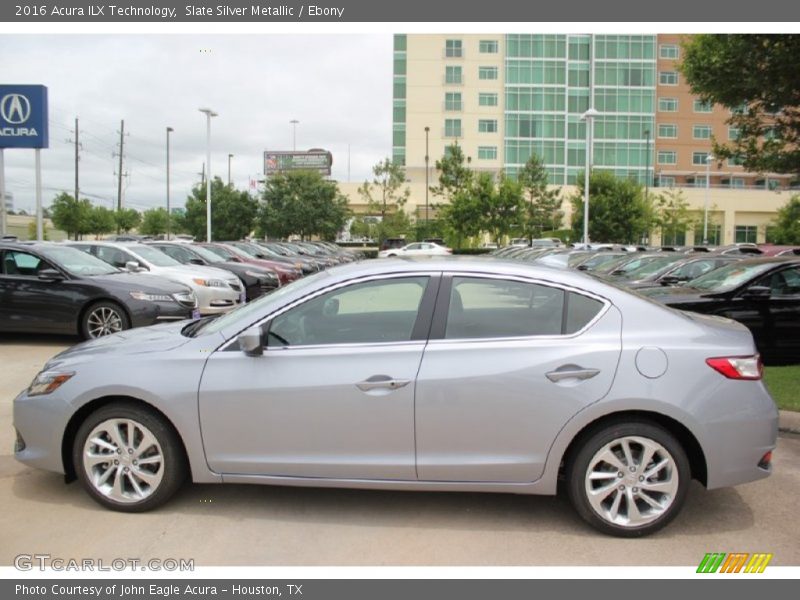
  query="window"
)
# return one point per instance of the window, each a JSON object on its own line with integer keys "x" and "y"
{"x": 452, "y": 101}
{"x": 668, "y": 105}
{"x": 699, "y": 158}
{"x": 666, "y": 181}
{"x": 714, "y": 234}
{"x": 701, "y": 132}
{"x": 668, "y": 78}
{"x": 452, "y": 75}
{"x": 735, "y": 161}
{"x": 493, "y": 308}
{"x": 699, "y": 106}
{"x": 182, "y": 255}
{"x": 400, "y": 42}
{"x": 115, "y": 257}
{"x": 487, "y": 152}
{"x": 361, "y": 313}
{"x": 737, "y": 182}
{"x": 487, "y": 125}
{"x": 745, "y": 234}
{"x": 487, "y": 72}
{"x": 733, "y": 133}
{"x": 452, "y": 127}
{"x": 22, "y": 263}
{"x": 488, "y": 46}
{"x": 667, "y": 157}
{"x": 487, "y": 99}
{"x": 667, "y": 130}
{"x": 453, "y": 49}
{"x": 784, "y": 283}
{"x": 669, "y": 51}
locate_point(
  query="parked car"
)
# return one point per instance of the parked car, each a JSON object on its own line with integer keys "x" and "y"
{"x": 678, "y": 273}
{"x": 393, "y": 242}
{"x": 257, "y": 280}
{"x": 761, "y": 293}
{"x": 51, "y": 288}
{"x": 473, "y": 374}
{"x": 274, "y": 251}
{"x": 286, "y": 272}
{"x": 416, "y": 249}
{"x": 217, "y": 291}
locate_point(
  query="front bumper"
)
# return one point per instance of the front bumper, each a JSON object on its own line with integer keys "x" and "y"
{"x": 40, "y": 422}
{"x": 215, "y": 300}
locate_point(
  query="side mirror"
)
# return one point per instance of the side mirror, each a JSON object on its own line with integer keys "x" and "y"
{"x": 250, "y": 342}
{"x": 133, "y": 266}
{"x": 196, "y": 261}
{"x": 670, "y": 280}
{"x": 50, "y": 275}
{"x": 757, "y": 292}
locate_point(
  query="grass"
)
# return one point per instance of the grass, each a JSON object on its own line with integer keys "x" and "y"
{"x": 784, "y": 385}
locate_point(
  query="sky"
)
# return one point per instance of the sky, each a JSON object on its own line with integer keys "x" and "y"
{"x": 339, "y": 88}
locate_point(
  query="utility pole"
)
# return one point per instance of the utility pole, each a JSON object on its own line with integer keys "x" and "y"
{"x": 119, "y": 177}
{"x": 76, "y": 159}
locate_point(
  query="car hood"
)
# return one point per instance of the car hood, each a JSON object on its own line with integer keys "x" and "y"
{"x": 676, "y": 295}
{"x": 141, "y": 282}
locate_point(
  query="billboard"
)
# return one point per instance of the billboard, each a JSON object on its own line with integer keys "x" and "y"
{"x": 23, "y": 116}
{"x": 285, "y": 161}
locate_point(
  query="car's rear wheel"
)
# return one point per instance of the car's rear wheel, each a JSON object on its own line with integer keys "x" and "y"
{"x": 128, "y": 458}
{"x": 629, "y": 479}
{"x": 103, "y": 318}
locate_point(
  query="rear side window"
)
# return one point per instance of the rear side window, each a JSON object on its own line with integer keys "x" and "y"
{"x": 498, "y": 308}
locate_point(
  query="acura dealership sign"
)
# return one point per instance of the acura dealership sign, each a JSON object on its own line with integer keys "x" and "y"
{"x": 23, "y": 116}
{"x": 278, "y": 161}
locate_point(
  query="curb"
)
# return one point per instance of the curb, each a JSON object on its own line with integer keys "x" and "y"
{"x": 788, "y": 421}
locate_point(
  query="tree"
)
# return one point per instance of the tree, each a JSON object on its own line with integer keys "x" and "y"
{"x": 32, "y": 231}
{"x": 618, "y": 211}
{"x": 389, "y": 177}
{"x": 671, "y": 215}
{"x": 70, "y": 215}
{"x": 501, "y": 205}
{"x": 233, "y": 212}
{"x": 787, "y": 224}
{"x": 127, "y": 219}
{"x": 301, "y": 203}
{"x": 101, "y": 220}
{"x": 755, "y": 76}
{"x": 154, "y": 222}
{"x": 544, "y": 205}
{"x": 454, "y": 174}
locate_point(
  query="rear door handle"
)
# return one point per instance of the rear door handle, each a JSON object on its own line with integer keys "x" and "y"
{"x": 382, "y": 382}
{"x": 571, "y": 372}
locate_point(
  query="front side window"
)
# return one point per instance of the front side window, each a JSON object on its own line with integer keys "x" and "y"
{"x": 22, "y": 263}
{"x": 115, "y": 256}
{"x": 362, "y": 313}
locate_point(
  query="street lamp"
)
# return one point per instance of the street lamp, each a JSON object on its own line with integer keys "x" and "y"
{"x": 169, "y": 130}
{"x": 427, "y": 170}
{"x": 294, "y": 123}
{"x": 588, "y": 116}
{"x": 209, "y": 113}
{"x": 646, "y": 170}
{"x": 230, "y": 156}
{"x": 709, "y": 158}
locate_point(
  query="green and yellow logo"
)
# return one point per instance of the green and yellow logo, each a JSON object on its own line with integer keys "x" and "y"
{"x": 737, "y": 562}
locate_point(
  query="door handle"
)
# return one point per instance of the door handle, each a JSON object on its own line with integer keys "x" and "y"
{"x": 382, "y": 382}
{"x": 571, "y": 372}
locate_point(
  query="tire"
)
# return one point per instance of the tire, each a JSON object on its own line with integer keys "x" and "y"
{"x": 128, "y": 477}
{"x": 627, "y": 502}
{"x": 103, "y": 318}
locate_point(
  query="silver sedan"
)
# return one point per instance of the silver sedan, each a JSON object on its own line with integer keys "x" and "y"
{"x": 441, "y": 374}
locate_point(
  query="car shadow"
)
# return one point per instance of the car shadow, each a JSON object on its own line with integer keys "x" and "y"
{"x": 38, "y": 339}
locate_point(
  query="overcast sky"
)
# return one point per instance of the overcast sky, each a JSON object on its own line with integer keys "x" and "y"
{"x": 338, "y": 86}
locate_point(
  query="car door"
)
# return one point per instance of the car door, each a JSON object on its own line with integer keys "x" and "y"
{"x": 333, "y": 393}
{"x": 508, "y": 363}
{"x": 783, "y": 314}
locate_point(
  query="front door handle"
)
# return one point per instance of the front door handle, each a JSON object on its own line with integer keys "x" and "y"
{"x": 571, "y": 372}
{"x": 382, "y": 382}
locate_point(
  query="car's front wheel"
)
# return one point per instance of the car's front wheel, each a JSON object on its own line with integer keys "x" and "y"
{"x": 128, "y": 458}
{"x": 629, "y": 479}
{"x": 103, "y": 318}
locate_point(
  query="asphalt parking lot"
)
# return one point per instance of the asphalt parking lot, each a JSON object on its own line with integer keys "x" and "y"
{"x": 260, "y": 525}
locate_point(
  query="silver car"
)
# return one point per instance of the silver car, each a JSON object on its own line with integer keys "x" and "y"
{"x": 439, "y": 374}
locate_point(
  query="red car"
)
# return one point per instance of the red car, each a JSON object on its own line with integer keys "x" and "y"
{"x": 286, "y": 273}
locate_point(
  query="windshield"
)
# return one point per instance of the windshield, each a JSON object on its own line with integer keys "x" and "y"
{"x": 652, "y": 267}
{"x": 207, "y": 254}
{"x": 729, "y": 277}
{"x": 76, "y": 262}
{"x": 153, "y": 256}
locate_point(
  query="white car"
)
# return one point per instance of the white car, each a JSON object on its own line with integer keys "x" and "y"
{"x": 217, "y": 291}
{"x": 416, "y": 249}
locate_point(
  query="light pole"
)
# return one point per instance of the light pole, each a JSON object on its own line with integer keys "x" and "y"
{"x": 646, "y": 171}
{"x": 169, "y": 130}
{"x": 588, "y": 116}
{"x": 709, "y": 158}
{"x": 230, "y": 156}
{"x": 427, "y": 170}
{"x": 294, "y": 123}
{"x": 209, "y": 113}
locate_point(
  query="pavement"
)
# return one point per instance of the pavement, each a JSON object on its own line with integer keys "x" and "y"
{"x": 220, "y": 525}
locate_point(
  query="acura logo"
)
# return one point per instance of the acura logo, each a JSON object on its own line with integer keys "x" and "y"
{"x": 15, "y": 109}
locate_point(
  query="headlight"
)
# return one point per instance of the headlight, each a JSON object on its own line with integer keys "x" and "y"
{"x": 210, "y": 282}
{"x": 47, "y": 382}
{"x": 151, "y": 297}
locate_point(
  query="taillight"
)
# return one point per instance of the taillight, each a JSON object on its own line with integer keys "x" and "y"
{"x": 738, "y": 367}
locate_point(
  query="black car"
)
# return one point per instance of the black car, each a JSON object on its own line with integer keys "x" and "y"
{"x": 761, "y": 293}
{"x": 50, "y": 288}
{"x": 257, "y": 280}
{"x": 677, "y": 273}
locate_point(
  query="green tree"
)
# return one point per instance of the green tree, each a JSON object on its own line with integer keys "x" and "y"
{"x": 671, "y": 215}
{"x": 787, "y": 224}
{"x": 384, "y": 193}
{"x": 543, "y": 211}
{"x": 301, "y": 203}
{"x": 101, "y": 220}
{"x": 127, "y": 219}
{"x": 755, "y": 76}
{"x": 454, "y": 173}
{"x": 461, "y": 216}
{"x": 32, "y": 230}
{"x": 70, "y": 215}
{"x": 233, "y": 212}
{"x": 618, "y": 211}
{"x": 501, "y": 204}
{"x": 154, "y": 222}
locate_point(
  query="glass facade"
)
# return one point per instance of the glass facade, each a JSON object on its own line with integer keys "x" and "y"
{"x": 399, "y": 101}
